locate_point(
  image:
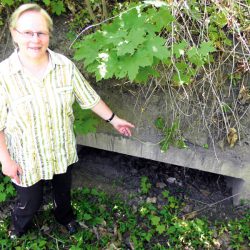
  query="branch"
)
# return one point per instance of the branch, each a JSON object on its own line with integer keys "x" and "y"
{"x": 90, "y": 10}
{"x": 104, "y": 10}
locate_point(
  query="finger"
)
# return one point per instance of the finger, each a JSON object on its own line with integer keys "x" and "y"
{"x": 19, "y": 170}
{"x": 126, "y": 132}
{"x": 16, "y": 178}
{"x": 131, "y": 125}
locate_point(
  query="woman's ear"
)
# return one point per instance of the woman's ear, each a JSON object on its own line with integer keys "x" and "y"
{"x": 13, "y": 34}
{"x": 14, "y": 37}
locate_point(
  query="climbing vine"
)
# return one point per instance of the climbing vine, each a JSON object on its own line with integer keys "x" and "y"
{"x": 54, "y": 6}
{"x": 196, "y": 53}
{"x": 131, "y": 46}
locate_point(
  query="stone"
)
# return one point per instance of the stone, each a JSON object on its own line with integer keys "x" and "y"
{"x": 160, "y": 185}
{"x": 171, "y": 180}
{"x": 151, "y": 200}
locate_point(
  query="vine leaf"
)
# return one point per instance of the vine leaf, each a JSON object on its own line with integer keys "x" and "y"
{"x": 179, "y": 49}
{"x": 206, "y": 48}
{"x": 195, "y": 57}
{"x": 155, "y": 220}
{"x": 160, "y": 228}
{"x": 8, "y": 2}
{"x": 46, "y": 2}
{"x": 85, "y": 121}
{"x": 131, "y": 67}
{"x": 156, "y": 3}
{"x": 58, "y": 7}
{"x": 156, "y": 46}
{"x": 131, "y": 42}
{"x": 161, "y": 19}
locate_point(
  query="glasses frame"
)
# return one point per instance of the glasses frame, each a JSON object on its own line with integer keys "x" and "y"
{"x": 31, "y": 34}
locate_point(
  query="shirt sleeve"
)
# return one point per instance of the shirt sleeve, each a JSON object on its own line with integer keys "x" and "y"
{"x": 3, "y": 109}
{"x": 85, "y": 95}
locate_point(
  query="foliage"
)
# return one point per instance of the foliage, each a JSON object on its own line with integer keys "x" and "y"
{"x": 110, "y": 223}
{"x": 6, "y": 188}
{"x": 85, "y": 120}
{"x": 53, "y": 6}
{"x": 127, "y": 47}
{"x": 183, "y": 48}
{"x": 131, "y": 46}
{"x": 171, "y": 135}
{"x": 145, "y": 185}
{"x": 239, "y": 229}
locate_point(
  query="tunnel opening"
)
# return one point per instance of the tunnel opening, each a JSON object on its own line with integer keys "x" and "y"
{"x": 206, "y": 193}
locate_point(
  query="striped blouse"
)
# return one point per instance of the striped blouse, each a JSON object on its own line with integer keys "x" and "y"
{"x": 37, "y": 117}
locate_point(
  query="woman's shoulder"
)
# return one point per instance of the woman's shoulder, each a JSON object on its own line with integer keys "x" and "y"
{"x": 5, "y": 65}
{"x": 59, "y": 58}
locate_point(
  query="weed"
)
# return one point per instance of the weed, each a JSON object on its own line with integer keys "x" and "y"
{"x": 110, "y": 223}
{"x": 6, "y": 188}
{"x": 145, "y": 185}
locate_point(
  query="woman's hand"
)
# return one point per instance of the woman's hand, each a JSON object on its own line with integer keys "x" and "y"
{"x": 12, "y": 169}
{"x": 122, "y": 126}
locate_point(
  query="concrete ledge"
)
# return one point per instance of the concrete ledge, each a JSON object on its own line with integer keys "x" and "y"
{"x": 214, "y": 161}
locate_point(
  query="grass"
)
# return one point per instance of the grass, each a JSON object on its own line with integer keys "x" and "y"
{"x": 111, "y": 223}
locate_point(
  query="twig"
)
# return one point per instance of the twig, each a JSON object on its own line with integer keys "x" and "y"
{"x": 104, "y": 9}
{"x": 211, "y": 205}
{"x": 90, "y": 10}
{"x": 3, "y": 31}
{"x": 104, "y": 21}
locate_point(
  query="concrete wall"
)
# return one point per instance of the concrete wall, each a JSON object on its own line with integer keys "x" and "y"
{"x": 232, "y": 162}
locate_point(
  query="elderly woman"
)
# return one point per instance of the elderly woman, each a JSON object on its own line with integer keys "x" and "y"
{"x": 37, "y": 143}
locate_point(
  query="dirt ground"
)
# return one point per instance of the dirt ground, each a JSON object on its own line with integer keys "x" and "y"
{"x": 204, "y": 194}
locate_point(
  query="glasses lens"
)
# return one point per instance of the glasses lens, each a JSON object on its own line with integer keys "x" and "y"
{"x": 42, "y": 35}
{"x": 30, "y": 34}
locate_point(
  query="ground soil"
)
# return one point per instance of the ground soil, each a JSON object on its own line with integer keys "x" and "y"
{"x": 204, "y": 194}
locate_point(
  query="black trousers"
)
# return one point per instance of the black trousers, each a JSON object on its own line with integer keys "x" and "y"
{"x": 29, "y": 200}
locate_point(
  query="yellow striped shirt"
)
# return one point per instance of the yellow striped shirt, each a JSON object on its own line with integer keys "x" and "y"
{"x": 37, "y": 117}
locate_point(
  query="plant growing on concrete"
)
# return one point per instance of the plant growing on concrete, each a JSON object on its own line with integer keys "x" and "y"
{"x": 193, "y": 52}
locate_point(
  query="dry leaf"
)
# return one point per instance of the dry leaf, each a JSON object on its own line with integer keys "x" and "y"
{"x": 247, "y": 29}
{"x": 244, "y": 96}
{"x": 190, "y": 215}
{"x": 71, "y": 6}
{"x": 232, "y": 137}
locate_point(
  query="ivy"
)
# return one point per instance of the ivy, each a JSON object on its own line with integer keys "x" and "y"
{"x": 85, "y": 120}
{"x": 54, "y": 6}
{"x": 127, "y": 47}
{"x": 132, "y": 47}
{"x": 8, "y": 2}
{"x": 57, "y": 7}
{"x": 6, "y": 188}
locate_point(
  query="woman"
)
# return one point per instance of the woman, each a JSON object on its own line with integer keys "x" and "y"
{"x": 37, "y": 143}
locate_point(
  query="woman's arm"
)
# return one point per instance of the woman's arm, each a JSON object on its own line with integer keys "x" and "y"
{"x": 122, "y": 126}
{"x": 9, "y": 167}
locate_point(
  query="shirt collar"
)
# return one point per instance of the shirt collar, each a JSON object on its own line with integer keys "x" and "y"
{"x": 16, "y": 66}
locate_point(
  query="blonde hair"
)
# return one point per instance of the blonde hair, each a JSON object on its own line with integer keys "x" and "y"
{"x": 29, "y": 7}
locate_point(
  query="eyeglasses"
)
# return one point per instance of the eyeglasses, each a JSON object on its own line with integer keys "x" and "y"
{"x": 31, "y": 34}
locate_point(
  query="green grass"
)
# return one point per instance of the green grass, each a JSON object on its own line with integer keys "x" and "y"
{"x": 111, "y": 223}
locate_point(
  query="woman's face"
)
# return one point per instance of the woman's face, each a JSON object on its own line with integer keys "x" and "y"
{"x": 31, "y": 35}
